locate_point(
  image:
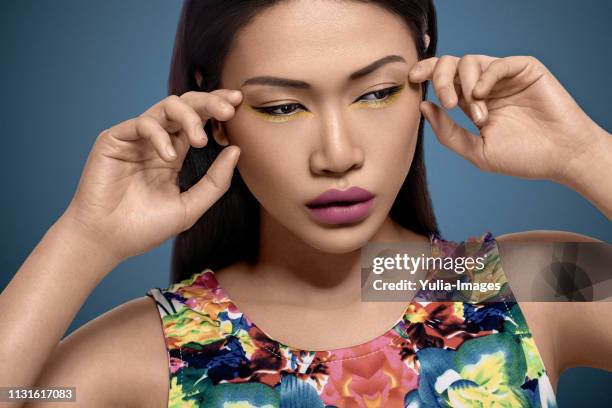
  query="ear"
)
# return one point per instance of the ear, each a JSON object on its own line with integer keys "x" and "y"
{"x": 426, "y": 39}
{"x": 219, "y": 133}
{"x": 199, "y": 77}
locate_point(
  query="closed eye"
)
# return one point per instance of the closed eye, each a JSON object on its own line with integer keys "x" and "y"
{"x": 292, "y": 108}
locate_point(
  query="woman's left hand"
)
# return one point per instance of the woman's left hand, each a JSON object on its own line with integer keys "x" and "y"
{"x": 530, "y": 126}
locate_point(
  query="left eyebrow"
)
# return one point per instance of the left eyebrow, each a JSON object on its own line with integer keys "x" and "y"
{"x": 294, "y": 83}
{"x": 375, "y": 65}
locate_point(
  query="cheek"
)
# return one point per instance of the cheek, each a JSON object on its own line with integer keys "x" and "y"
{"x": 270, "y": 161}
{"x": 391, "y": 135}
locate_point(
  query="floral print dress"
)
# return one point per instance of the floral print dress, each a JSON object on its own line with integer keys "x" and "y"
{"x": 440, "y": 354}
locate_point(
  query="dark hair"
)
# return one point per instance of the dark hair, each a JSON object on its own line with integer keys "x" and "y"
{"x": 229, "y": 231}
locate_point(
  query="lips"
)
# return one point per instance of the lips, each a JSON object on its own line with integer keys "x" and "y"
{"x": 332, "y": 196}
{"x": 341, "y": 207}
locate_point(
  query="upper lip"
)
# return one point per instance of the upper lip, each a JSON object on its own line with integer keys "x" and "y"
{"x": 353, "y": 194}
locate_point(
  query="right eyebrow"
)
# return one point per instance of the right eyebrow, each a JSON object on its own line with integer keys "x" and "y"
{"x": 294, "y": 83}
{"x": 276, "y": 81}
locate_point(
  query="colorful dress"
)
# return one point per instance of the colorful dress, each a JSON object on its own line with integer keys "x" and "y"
{"x": 440, "y": 354}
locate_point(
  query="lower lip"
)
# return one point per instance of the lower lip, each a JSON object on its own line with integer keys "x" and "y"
{"x": 342, "y": 214}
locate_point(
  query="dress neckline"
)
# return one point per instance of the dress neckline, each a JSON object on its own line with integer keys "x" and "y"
{"x": 277, "y": 347}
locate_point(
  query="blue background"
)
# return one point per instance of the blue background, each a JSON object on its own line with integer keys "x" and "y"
{"x": 73, "y": 68}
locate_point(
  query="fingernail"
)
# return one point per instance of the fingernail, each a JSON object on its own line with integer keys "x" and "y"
{"x": 236, "y": 155}
{"x": 477, "y": 114}
{"x": 235, "y": 96}
{"x": 170, "y": 151}
{"x": 200, "y": 131}
{"x": 445, "y": 97}
{"x": 424, "y": 109}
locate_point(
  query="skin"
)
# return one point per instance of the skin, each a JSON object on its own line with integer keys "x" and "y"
{"x": 337, "y": 138}
{"x": 128, "y": 190}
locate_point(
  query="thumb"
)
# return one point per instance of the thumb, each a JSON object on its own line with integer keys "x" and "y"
{"x": 450, "y": 134}
{"x": 201, "y": 196}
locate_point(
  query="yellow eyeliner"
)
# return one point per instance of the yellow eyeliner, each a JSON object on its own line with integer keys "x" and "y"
{"x": 376, "y": 104}
{"x": 372, "y": 104}
{"x": 278, "y": 118}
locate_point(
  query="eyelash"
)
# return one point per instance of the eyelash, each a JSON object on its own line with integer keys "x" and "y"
{"x": 388, "y": 92}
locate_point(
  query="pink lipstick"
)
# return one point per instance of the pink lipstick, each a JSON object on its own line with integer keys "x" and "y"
{"x": 341, "y": 207}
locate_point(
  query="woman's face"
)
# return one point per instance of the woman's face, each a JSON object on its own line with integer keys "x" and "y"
{"x": 334, "y": 130}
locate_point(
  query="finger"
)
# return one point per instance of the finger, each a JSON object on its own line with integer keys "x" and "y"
{"x": 211, "y": 105}
{"x": 141, "y": 127}
{"x": 125, "y": 131}
{"x": 442, "y": 72}
{"x": 496, "y": 71}
{"x": 469, "y": 69}
{"x": 201, "y": 196}
{"x": 150, "y": 129}
{"x": 177, "y": 115}
{"x": 453, "y": 136}
{"x": 422, "y": 70}
{"x": 443, "y": 79}
{"x": 233, "y": 96}
{"x": 173, "y": 115}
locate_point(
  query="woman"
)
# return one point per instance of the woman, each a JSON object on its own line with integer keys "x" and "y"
{"x": 259, "y": 75}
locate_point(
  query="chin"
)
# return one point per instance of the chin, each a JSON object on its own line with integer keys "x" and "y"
{"x": 341, "y": 240}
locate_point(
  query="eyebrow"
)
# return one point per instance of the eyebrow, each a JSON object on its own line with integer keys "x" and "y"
{"x": 293, "y": 83}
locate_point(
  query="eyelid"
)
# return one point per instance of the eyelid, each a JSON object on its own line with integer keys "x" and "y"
{"x": 390, "y": 89}
{"x": 266, "y": 109}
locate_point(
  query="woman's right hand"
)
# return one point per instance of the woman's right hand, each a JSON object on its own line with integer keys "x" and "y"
{"x": 128, "y": 200}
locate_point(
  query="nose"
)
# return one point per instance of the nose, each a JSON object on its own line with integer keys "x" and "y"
{"x": 336, "y": 151}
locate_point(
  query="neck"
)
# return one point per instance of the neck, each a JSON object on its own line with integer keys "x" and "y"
{"x": 288, "y": 266}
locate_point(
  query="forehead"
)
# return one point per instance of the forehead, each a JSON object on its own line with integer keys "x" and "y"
{"x": 315, "y": 39}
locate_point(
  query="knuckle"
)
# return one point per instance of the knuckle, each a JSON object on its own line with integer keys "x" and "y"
{"x": 532, "y": 60}
{"x": 143, "y": 123}
{"x": 467, "y": 60}
{"x": 106, "y": 134}
{"x": 108, "y": 139}
{"x": 214, "y": 100}
{"x": 494, "y": 67}
{"x": 451, "y": 59}
{"x": 214, "y": 183}
{"x": 174, "y": 102}
{"x": 496, "y": 63}
{"x": 191, "y": 118}
{"x": 190, "y": 98}
{"x": 188, "y": 95}
{"x": 171, "y": 98}
{"x": 171, "y": 102}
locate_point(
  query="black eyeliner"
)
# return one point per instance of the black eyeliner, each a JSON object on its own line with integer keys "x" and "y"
{"x": 392, "y": 90}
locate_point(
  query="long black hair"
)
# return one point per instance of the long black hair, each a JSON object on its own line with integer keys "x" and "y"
{"x": 229, "y": 231}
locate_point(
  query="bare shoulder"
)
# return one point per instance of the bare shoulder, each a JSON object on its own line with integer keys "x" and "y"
{"x": 116, "y": 359}
{"x": 543, "y": 287}
{"x": 545, "y": 236}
